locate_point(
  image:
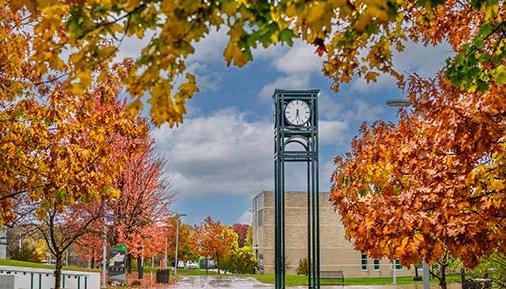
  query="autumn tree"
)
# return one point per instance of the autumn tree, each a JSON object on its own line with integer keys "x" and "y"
{"x": 89, "y": 247}
{"x": 137, "y": 217}
{"x": 416, "y": 190}
{"x": 215, "y": 240}
{"x": 242, "y": 233}
{"x": 357, "y": 37}
{"x": 429, "y": 187}
{"x": 60, "y": 151}
{"x": 143, "y": 203}
{"x": 186, "y": 251}
{"x": 241, "y": 260}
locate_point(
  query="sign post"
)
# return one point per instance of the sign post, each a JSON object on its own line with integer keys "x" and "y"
{"x": 116, "y": 264}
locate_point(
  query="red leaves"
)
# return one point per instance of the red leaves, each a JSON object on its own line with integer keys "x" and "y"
{"x": 242, "y": 233}
{"x": 320, "y": 46}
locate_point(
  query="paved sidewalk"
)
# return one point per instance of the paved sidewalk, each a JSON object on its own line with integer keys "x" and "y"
{"x": 216, "y": 282}
{"x": 211, "y": 282}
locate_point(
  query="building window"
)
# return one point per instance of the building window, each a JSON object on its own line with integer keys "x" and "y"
{"x": 260, "y": 201}
{"x": 260, "y": 217}
{"x": 363, "y": 262}
{"x": 376, "y": 263}
{"x": 398, "y": 265}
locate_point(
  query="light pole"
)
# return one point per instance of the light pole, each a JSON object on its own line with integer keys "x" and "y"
{"x": 166, "y": 253}
{"x": 394, "y": 272}
{"x": 104, "y": 253}
{"x": 425, "y": 277}
{"x": 177, "y": 241}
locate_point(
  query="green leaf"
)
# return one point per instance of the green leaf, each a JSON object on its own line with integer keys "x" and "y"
{"x": 499, "y": 75}
{"x": 287, "y": 36}
{"x": 486, "y": 29}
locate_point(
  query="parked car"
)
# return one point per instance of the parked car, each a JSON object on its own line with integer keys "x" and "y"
{"x": 180, "y": 264}
{"x": 192, "y": 265}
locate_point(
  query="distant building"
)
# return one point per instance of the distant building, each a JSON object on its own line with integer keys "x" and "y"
{"x": 336, "y": 253}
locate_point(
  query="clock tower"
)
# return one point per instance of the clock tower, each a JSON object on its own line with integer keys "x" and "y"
{"x": 296, "y": 140}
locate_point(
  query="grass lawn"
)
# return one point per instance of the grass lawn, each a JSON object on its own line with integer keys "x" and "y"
{"x": 294, "y": 280}
{"x": 16, "y": 263}
{"x": 299, "y": 280}
{"x": 194, "y": 272}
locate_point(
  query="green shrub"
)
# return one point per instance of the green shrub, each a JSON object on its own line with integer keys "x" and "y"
{"x": 302, "y": 267}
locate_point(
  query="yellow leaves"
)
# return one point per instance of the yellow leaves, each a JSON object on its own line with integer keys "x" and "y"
{"x": 233, "y": 54}
{"x": 106, "y": 51}
{"x": 188, "y": 88}
{"x": 399, "y": 46}
{"x": 134, "y": 107}
{"x": 230, "y": 7}
{"x": 449, "y": 161}
{"x": 130, "y": 5}
{"x": 371, "y": 76}
{"x": 315, "y": 11}
{"x": 497, "y": 185}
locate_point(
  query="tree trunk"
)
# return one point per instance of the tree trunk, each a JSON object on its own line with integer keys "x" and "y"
{"x": 416, "y": 272}
{"x": 93, "y": 259}
{"x": 140, "y": 269}
{"x": 462, "y": 277}
{"x": 129, "y": 263}
{"x": 442, "y": 281}
{"x": 218, "y": 263}
{"x": 57, "y": 271}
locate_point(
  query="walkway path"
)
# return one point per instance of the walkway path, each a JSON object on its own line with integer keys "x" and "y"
{"x": 214, "y": 282}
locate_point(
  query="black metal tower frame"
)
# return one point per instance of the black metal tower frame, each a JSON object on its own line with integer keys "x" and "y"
{"x": 305, "y": 135}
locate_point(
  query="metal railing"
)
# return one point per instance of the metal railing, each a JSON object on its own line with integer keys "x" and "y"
{"x": 36, "y": 278}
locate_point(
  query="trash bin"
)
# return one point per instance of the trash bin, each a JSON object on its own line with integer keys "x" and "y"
{"x": 162, "y": 276}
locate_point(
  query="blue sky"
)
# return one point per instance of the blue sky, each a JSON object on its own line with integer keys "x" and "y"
{"x": 221, "y": 156}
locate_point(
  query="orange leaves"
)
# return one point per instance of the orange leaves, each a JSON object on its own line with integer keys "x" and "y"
{"x": 431, "y": 183}
{"x": 214, "y": 239}
{"x": 65, "y": 144}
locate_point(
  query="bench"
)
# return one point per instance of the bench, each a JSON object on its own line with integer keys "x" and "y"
{"x": 332, "y": 275}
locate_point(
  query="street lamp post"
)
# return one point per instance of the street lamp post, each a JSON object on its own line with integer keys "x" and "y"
{"x": 177, "y": 241}
{"x": 166, "y": 253}
{"x": 406, "y": 103}
{"x": 394, "y": 272}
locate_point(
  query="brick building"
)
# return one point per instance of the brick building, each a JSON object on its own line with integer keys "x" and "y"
{"x": 336, "y": 253}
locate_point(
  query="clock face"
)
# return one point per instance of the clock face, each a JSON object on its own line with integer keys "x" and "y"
{"x": 297, "y": 112}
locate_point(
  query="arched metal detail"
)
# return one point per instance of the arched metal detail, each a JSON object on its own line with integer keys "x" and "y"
{"x": 305, "y": 135}
{"x": 297, "y": 140}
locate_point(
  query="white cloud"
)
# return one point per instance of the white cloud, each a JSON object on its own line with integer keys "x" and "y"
{"x": 416, "y": 58}
{"x": 332, "y": 132}
{"x": 246, "y": 217}
{"x": 300, "y": 58}
{"x": 297, "y": 63}
{"x": 365, "y": 111}
{"x": 329, "y": 108}
{"x": 224, "y": 154}
{"x": 383, "y": 82}
{"x": 210, "y": 48}
{"x": 218, "y": 154}
{"x": 271, "y": 52}
{"x": 132, "y": 46}
{"x": 286, "y": 82}
{"x": 423, "y": 60}
{"x": 207, "y": 79}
